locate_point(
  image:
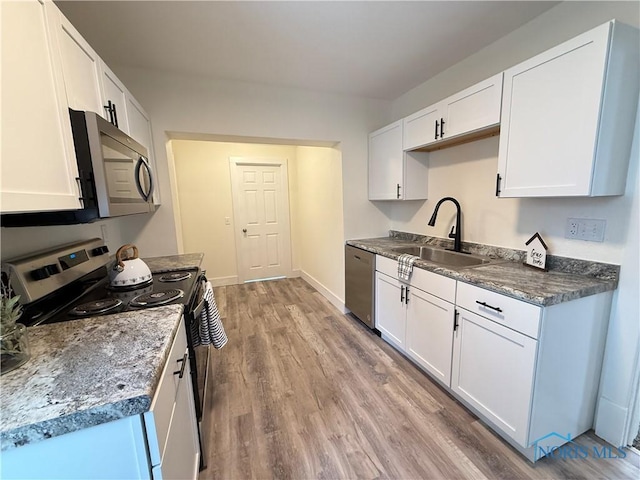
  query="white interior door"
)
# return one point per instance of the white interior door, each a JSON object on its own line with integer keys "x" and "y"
{"x": 261, "y": 212}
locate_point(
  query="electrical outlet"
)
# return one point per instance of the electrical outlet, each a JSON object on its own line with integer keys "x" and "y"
{"x": 227, "y": 221}
{"x": 105, "y": 233}
{"x": 588, "y": 229}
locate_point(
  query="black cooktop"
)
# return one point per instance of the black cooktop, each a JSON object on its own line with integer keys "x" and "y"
{"x": 92, "y": 296}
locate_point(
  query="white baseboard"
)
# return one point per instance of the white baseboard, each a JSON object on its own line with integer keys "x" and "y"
{"x": 325, "y": 292}
{"x": 223, "y": 281}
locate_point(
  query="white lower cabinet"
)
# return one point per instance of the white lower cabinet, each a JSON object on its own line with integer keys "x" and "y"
{"x": 493, "y": 370}
{"x": 415, "y": 321}
{"x": 391, "y": 309}
{"x": 530, "y": 372}
{"x": 170, "y": 422}
{"x": 160, "y": 444}
{"x": 430, "y": 323}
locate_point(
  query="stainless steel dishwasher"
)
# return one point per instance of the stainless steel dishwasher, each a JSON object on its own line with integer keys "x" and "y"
{"x": 360, "y": 269}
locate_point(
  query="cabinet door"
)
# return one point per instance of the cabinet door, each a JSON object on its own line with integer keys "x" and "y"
{"x": 139, "y": 124}
{"x": 181, "y": 456}
{"x": 39, "y": 168}
{"x": 493, "y": 371}
{"x": 385, "y": 163}
{"x": 550, "y": 117}
{"x": 81, "y": 68}
{"x": 390, "y": 309}
{"x": 420, "y": 128}
{"x": 430, "y": 333}
{"x": 473, "y": 109}
{"x": 114, "y": 91}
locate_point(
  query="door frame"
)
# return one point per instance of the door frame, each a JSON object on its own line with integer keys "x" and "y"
{"x": 234, "y": 163}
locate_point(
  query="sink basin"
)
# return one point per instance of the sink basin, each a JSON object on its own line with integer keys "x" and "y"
{"x": 444, "y": 257}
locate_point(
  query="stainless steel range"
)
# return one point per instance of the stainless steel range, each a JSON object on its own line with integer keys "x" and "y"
{"x": 71, "y": 282}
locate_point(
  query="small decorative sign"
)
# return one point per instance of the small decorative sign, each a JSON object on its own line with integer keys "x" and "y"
{"x": 536, "y": 252}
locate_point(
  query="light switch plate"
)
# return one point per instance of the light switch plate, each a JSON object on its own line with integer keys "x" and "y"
{"x": 588, "y": 229}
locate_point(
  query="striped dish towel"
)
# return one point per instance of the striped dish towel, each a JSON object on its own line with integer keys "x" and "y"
{"x": 208, "y": 329}
{"x": 405, "y": 266}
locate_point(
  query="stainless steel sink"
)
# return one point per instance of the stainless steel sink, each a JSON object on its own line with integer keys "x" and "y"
{"x": 444, "y": 257}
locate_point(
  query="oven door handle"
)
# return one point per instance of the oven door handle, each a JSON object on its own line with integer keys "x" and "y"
{"x": 201, "y": 282}
{"x": 198, "y": 309}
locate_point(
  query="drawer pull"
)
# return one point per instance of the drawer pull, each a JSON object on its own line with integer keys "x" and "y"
{"x": 497, "y": 309}
{"x": 180, "y": 372}
{"x": 402, "y": 294}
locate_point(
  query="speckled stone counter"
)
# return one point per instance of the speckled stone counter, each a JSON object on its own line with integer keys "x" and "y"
{"x": 169, "y": 263}
{"x": 86, "y": 372}
{"x": 567, "y": 279}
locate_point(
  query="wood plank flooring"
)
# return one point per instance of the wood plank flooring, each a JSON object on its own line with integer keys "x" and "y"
{"x": 302, "y": 391}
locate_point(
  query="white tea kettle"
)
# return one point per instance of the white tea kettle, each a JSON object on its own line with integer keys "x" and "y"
{"x": 129, "y": 270}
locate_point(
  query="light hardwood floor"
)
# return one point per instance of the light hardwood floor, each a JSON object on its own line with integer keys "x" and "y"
{"x": 302, "y": 391}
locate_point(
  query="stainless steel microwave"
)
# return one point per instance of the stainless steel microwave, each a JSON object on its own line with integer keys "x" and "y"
{"x": 113, "y": 172}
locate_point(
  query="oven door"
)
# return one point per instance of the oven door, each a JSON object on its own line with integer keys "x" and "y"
{"x": 199, "y": 362}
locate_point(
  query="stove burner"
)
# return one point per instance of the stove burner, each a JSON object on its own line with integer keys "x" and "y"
{"x": 155, "y": 299}
{"x": 175, "y": 277}
{"x": 103, "y": 305}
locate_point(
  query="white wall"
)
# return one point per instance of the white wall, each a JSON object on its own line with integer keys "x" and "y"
{"x": 555, "y": 26}
{"x": 316, "y": 207}
{"x": 204, "y": 192}
{"x": 177, "y": 103}
{"x": 468, "y": 173}
{"x": 319, "y": 219}
{"x": 15, "y": 242}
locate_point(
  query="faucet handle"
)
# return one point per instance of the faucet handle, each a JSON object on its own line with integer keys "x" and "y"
{"x": 451, "y": 234}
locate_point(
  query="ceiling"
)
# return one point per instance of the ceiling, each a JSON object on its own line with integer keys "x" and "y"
{"x": 372, "y": 49}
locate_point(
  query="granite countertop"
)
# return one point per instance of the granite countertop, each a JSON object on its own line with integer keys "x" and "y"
{"x": 567, "y": 279}
{"x": 170, "y": 263}
{"x": 86, "y": 372}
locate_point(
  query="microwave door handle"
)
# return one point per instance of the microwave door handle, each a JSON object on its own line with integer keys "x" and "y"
{"x": 150, "y": 177}
{"x": 137, "y": 179}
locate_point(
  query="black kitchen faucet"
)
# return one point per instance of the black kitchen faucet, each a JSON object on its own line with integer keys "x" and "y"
{"x": 455, "y": 231}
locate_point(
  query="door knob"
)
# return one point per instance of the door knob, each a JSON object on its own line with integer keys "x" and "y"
{"x": 244, "y": 230}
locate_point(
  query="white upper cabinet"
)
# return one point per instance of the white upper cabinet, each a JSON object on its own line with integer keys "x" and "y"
{"x": 90, "y": 85}
{"x": 568, "y": 116}
{"x": 114, "y": 96}
{"x": 473, "y": 109}
{"x": 139, "y": 123}
{"x": 393, "y": 173}
{"x": 82, "y": 68}
{"x": 39, "y": 169}
{"x": 468, "y": 112}
{"x": 423, "y": 127}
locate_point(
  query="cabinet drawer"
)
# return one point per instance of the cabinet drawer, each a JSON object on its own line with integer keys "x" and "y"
{"x": 437, "y": 285}
{"x": 433, "y": 283}
{"x": 158, "y": 418}
{"x": 387, "y": 266}
{"x": 520, "y": 316}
